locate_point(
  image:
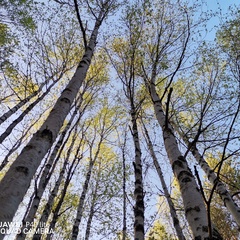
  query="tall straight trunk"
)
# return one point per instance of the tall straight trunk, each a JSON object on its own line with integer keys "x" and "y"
{"x": 173, "y": 212}
{"x": 124, "y": 233}
{"x": 91, "y": 214}
{"x": 49, "y": 206}
{"x": 78, "y": 218}
{"x": 14, "y": 109}
{"x": 15, "y": 183}
{"x": 89, "y": 222}
{"x": 71, "y": 171}
{"x": 194, "y": 206}
{"x": 138, "y": 192}
{"x": 221, "y": 189}
{"x": 45, "y": 176}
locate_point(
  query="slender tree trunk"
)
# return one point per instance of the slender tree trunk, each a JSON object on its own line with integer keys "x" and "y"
{"x": 89, "y": 222}
{"x": 138, "y": 192}
{"x": 212, "y": 177}
{"x": 56, "y": 212}
{"x": 14, "y": 109}
{"x": 75, "y": 228}
{"x": 49, "y": 206}
{"x": 91, "y": 214}
{"x": 15, "y": 183}
{"x": 17, "y": 144}
{"x": 173, "y": 212}
{"x": 194, "y": 206}
{"x": 124, "y": 233}
{"x": 10, "y": 128}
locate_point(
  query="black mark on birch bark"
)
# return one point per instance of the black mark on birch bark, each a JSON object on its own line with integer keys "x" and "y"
{"x": 22, "y": 169}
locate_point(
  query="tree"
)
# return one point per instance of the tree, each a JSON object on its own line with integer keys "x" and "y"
{"x": 221, "y": 217}
{"x": 16, "y": 181}
{"x": 125, "y": 61}
{"x": 172, "y": 208}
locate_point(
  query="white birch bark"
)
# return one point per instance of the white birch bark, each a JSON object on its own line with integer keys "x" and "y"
{"x": 14, "y": 109}
{"x": 124, "y": 229}
{"x": 138, "y": 192}
{"x": 165, "y": 189}
{"x": 49, "y": 206}
{"x": 220, "y": 186}
{"x": 17, "y": 144}
{"x": 71, "y": 171}
{"x": 45, "y": 176}
{"x": 92, "y": 209}
{"x": 194, "y": 207}
{"x": 15, "y": 183}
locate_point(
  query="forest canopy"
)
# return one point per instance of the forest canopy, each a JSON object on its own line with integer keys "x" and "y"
{"x": 119, "y": 119}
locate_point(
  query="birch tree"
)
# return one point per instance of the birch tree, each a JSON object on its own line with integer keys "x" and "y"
{"x": 206, "y": 130}
{"x": 166, "y": 40}
{"x": 125, "y": 62}
{"x": 16, "y": 181}
{"x": 103, "y": 124}
{"x": 172, "y": 208}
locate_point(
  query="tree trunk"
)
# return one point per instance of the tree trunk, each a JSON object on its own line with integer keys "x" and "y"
{"x": 15, "y": 183}
{"x": 70, "y": 173}
{"x": 138, "y": 192}
{"x": 194, "y": 206}
{"x": 173, "y": 212}
{"x": 220, "y": 187}
{"x": 75, "y": 228}
{"x": 124, "y": 233}
{"x": 89, "y": 222}
{"x": 91, "y": 214}
{"x": 49, "y": 206}
{"x": 45, "y": 177}
{"x": 17, "y": 144}
{"x": 14, "y": 109}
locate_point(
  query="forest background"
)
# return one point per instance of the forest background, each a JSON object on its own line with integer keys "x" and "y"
{"x": 120, "y": 119}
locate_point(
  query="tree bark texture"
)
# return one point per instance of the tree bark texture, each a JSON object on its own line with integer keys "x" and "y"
{"x": 221, "y": 189}
{"x": 138, "y": 192}
{"x": 194, "y": 206}
{"x": 46, "y": 174}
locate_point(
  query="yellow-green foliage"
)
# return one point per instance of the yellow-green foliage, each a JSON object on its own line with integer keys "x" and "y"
{"x": 159, "y": 232}
{"x": 19, "y": 84}
{"x": 4, "y": 34}
{"x": 230, "y": 175}
{"x": 97, "y": 73}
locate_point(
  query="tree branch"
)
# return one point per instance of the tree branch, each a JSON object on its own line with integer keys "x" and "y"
{"x": 167, "y": 107}
{"x": 83, "y": 30}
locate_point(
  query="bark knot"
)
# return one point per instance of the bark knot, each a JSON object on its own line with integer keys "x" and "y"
{"x": 196, "y": 208}
{"x": 22, "y": 169}
{"x": 46, "y": 133}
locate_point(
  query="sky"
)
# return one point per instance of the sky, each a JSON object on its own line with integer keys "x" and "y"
{"x": 216, "y": 5}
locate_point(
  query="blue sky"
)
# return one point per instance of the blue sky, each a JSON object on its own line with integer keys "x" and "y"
{"x": 222, "y": 6}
